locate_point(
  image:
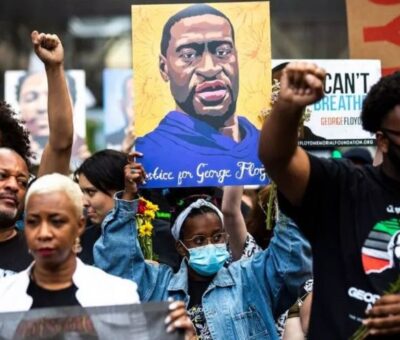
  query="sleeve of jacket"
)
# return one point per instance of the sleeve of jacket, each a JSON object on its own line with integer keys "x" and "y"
{"x": 285, "y": 266}
{"x": 118, "y": 252}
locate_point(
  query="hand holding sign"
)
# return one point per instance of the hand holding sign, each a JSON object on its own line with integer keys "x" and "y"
{"x": 302, "y": 84}
{"x": 179, "y": 319}
{"x": 134, "y": 175}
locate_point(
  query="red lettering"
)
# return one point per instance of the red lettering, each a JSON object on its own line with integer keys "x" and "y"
{"x": 385, "y": 2}
{"x": 389, "y": 70}
{"x": 390, "y": 32}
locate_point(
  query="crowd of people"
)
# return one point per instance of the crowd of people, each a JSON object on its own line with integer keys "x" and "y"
{"x": 73, "y": 239}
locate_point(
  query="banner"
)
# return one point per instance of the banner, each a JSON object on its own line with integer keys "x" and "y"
{"x": 27, "y": 94}
{"x": 374, "y": 31}
{"x": 335, "y": 119}
{"x": 118, "y": 106}
{"x": 201, "y": 81}
{"x": 139, "y": 321}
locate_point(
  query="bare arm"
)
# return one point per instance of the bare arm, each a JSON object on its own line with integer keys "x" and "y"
{"x": 57, "y": 152}
{"x": 234, "y": 222}
{"x": 286, "y": 163}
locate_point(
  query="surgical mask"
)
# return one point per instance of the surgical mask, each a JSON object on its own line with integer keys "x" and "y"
{"x": 208, "y": 260}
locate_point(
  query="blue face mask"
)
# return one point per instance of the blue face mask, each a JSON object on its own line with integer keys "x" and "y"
{"x": 208, "y": 260}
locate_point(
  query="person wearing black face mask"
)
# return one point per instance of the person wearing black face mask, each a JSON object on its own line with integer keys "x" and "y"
{"x": 393, "y": 147}
{"x": 349, "y": 213}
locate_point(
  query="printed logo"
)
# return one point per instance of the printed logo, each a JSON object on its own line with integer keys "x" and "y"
{"x": 381, "y": 254}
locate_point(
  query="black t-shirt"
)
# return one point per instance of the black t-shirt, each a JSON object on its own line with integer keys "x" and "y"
{"x": 351, "y": 217}
{"x": 195, "y": 308}
{"x": 52, "y": 298}
{"x": 196, "y": 291}
{"x": 14, "y": 255}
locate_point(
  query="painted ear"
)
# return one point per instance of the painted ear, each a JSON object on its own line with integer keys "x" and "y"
{"x": 162, "y": 62}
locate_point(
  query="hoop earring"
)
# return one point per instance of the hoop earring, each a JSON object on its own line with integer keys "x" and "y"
{"x": 77, "y": 247}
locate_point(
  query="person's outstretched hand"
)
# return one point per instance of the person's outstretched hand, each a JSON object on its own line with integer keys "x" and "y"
{"x": 302, "y": 84}
{"x": 48, "y": 48}
{"x": 134, "y": 175}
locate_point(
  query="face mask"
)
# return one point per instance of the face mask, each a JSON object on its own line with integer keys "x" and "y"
{"x": 208, "y": 260}
{"x": 394, "y": 154}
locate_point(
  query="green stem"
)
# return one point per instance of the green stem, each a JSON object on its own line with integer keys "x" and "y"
{"x": 271, "y": 206}
{"x": 362, "y": 331}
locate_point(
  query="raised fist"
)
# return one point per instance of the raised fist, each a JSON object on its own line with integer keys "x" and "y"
{"x": 302, "y": 84}
{"x": 48, "y": 48}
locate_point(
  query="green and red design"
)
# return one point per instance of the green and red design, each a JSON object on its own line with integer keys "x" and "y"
{"x": 145, "y": 215}
{"x": 376, "y": 255}
{"x": 381, "y": 261}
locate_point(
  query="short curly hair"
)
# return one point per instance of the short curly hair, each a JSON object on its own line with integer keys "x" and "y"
{"x": 12, "y": 133}
{"x": 381, "y": 99}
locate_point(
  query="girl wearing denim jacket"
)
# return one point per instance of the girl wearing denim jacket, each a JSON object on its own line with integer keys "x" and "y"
{"x": 239, "y": 301}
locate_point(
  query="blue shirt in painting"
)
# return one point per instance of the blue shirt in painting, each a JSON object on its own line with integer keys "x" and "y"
{"x": 185, "y": 151}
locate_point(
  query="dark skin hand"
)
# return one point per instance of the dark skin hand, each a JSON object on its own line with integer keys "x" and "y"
{"x": 384, "y": 316}
{"x": 179, "y": 319}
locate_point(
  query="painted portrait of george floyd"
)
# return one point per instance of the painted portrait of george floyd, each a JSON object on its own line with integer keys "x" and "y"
{"x": 197, "y": 113}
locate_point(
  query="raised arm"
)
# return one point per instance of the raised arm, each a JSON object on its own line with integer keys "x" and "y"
{"x": 57, "y": 152}
{"x": 286, "y": 163}
{"x": 118, "y": 252}
{"x": 234, "y": 222}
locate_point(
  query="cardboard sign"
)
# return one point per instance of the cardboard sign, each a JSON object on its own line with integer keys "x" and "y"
{"x": 197, "y": 120}
{"x": 335, "y": 119}
{"x": 374, "y": 31}
{"x": 27, "y": 94}
{"x": 118, "y": 105}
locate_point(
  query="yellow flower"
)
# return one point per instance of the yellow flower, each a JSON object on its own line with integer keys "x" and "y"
{"x": 142, "y": 231}
{"x": 146, "y": 229}
{"x": 151, "y": 206}
{"x": 150, "y": 214}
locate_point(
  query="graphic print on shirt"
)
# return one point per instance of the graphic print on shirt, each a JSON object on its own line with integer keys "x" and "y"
{"x": 381, "y": 254}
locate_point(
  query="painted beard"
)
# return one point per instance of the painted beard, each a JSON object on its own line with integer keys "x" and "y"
{"x": 215, "y": 121}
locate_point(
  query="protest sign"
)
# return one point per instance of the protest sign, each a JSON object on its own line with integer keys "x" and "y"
{"x": 27, "y": 94}
{"x": 138, "y": 321}
{"x": 197, "y": 121}
{"x": 118, "y": 106}
{"x": 335, "y": 119}
{"x": 376, "y": 35}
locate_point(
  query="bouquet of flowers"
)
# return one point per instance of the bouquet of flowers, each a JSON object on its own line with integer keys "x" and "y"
{"x": 146, "y": 213}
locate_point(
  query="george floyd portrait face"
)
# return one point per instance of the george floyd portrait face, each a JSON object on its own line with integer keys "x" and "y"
{"x": 201, "y": 65}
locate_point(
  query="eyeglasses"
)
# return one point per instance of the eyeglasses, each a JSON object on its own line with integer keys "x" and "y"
{"x": 201, "y": 240}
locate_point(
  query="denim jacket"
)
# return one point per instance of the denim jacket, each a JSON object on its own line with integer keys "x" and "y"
{"x": 241, "y": 302}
